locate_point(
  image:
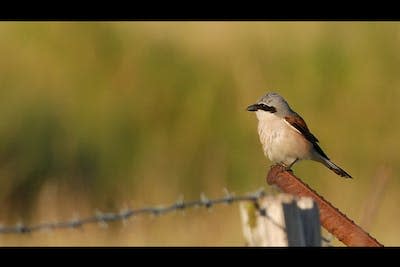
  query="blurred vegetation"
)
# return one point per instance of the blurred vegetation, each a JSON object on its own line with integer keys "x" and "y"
{"x": 99, "y": 115}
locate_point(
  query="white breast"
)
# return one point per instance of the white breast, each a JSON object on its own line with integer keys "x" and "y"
{"x": 281, "y": 142}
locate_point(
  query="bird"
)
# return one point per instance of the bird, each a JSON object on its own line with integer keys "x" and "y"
{"x": 285, "y": 136}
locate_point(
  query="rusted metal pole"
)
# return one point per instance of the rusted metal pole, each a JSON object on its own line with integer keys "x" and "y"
{"x": 331, "y": 218}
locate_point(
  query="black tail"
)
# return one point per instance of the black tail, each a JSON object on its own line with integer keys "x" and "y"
{"x": 334, "y": 167}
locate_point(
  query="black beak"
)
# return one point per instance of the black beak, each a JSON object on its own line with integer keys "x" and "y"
{"x": 253, "y": 107}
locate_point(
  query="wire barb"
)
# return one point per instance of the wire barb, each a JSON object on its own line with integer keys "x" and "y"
{"x": 228, "y": 196}
{"x": 180, "y": 204}
{"x": 205, "y": 201}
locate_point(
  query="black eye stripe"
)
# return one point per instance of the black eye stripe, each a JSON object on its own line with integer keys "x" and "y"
{"x": 266, "y": 108}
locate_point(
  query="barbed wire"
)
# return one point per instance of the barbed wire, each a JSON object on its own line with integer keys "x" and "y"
{"x": 103, "y": 218}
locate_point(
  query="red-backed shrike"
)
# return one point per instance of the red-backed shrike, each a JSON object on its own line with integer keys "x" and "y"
{"x": 285, "y": 136}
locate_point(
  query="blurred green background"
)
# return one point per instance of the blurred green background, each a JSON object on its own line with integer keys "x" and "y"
{"x": 109, "y": 115}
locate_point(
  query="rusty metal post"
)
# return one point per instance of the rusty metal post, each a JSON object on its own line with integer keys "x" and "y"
{"x": 331, "y": 218}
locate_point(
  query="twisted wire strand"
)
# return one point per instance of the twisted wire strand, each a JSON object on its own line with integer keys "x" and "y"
{"x": 104, "y": 218}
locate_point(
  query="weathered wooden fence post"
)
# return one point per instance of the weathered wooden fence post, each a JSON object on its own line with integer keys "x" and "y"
{"x": 281, "y": 220}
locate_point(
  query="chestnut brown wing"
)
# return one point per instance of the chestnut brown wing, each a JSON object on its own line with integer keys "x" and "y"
{"x": 297, "y": 122}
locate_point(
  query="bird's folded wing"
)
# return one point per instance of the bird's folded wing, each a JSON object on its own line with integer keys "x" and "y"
{"x": 300, "y": 125}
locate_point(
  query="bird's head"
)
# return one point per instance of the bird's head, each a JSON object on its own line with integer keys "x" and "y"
{"x": 271, "y": 103}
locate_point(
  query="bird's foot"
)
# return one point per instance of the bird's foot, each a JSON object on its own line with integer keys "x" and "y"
{"x": 282, "y": 167}
{"x": 278, "y": 167}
